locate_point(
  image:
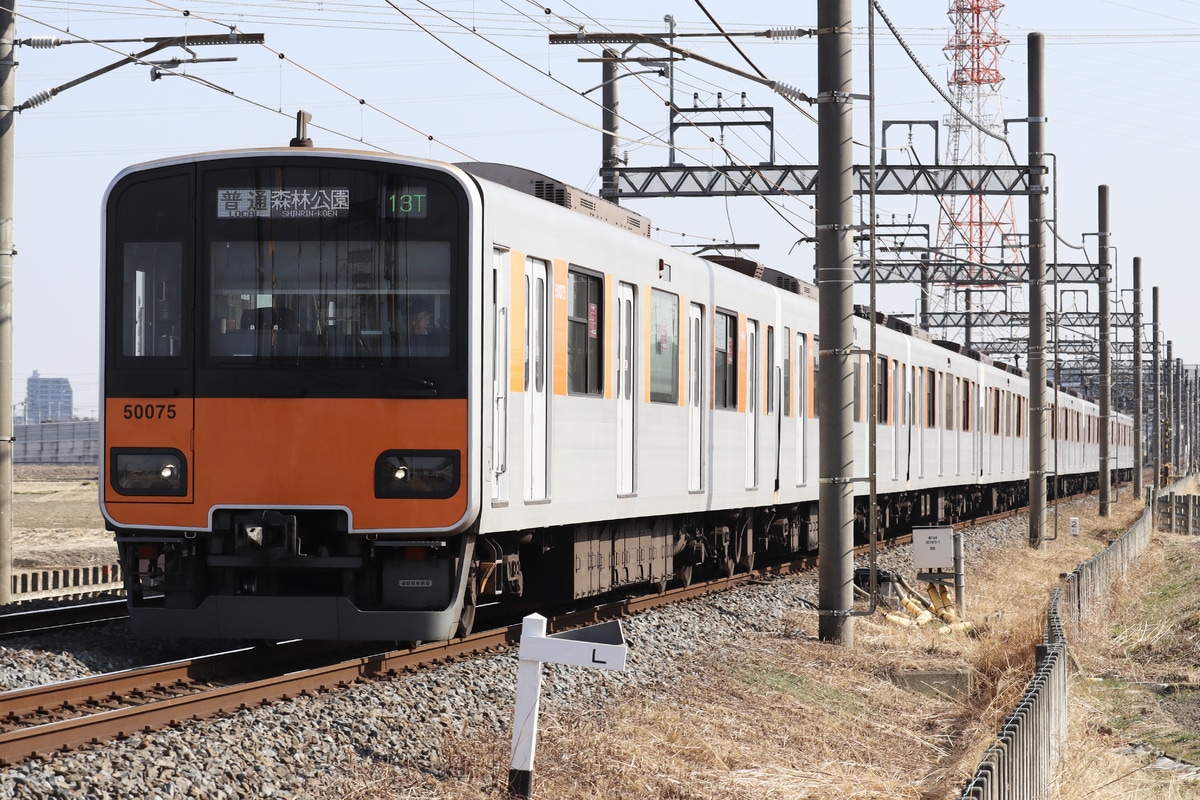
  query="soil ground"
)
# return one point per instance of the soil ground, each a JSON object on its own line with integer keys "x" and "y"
{"x": 56, "y": 518}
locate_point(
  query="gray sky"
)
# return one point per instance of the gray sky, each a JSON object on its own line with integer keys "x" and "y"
{"x": 478, "y": 80}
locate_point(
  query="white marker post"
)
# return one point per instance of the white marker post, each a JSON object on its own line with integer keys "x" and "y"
{"x": 600, "y": 646}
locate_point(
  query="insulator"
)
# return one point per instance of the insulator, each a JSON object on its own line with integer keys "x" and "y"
{"x": 789, "y": 91}
{"x": 42, "y": 42}
{"x": 787, "y": 33}
{"x": 39, "y": 99}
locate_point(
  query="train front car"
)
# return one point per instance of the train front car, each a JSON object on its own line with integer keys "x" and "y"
{"x": 287, "y": 446}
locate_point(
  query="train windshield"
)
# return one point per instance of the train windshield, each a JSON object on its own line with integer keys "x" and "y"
{"x": 329, "y": 265}
{"x": 330, "y": 299}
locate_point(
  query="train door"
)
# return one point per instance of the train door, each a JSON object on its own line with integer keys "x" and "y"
{"x": 980, "y": 421}
{"x": 752, "y": 404}
{"x": 774, "y": 408}
{"x": 696, "y": 357}
{"x": 500, "y": 375}
{"x": 899, "y": 416}
{"x": 626, "y": 396}
{"x": 536, "y": 381}
{"x": 1004, "y": 430}
{"x": 918, "y": 375}
{"x": 801, "y": 410}
{"x": 957, "y": 426}
{"x": 940, "y": 379}
{"x": 910, "y": 409}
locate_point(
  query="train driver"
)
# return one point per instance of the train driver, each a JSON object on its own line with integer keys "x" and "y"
{"x": 425, "y": 338}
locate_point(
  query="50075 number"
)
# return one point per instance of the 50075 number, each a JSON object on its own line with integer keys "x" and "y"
{"x": 149, "y": 411}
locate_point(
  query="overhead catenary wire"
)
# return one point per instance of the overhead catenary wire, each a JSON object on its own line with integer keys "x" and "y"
{"x": 360, "y": 100}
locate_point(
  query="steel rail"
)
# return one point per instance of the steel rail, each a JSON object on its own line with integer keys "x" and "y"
{"x": 18, "y": 623}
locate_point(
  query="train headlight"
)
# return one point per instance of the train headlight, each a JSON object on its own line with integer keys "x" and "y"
{"x": 148, "y": 471}
{"x": 417, "y": 473}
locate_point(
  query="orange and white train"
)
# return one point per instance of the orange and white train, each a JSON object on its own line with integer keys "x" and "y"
{"x": 357, "y": 396}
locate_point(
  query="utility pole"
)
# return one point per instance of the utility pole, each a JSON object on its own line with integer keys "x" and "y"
{"x": 1037, "y": 295}
{"x": 1105, "y": 354}
{"x": 8, "y": 98}
{"x": 835, "y": 282}
{"x": 1138, "y": 445}
{"x": 610, "y": 120}
{"x": 1158, "y": 403}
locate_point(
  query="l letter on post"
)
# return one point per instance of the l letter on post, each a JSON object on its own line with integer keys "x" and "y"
{"x": 600, "y": 646}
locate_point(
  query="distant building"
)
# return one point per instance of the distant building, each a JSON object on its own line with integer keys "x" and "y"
{"x": 48, "y": 400}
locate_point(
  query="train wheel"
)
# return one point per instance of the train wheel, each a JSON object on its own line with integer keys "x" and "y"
{"x": 466, "y": 620}
{"x": 683, "y": 573}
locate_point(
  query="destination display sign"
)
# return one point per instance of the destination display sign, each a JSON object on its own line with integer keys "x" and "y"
{"x": 296, "y": 202}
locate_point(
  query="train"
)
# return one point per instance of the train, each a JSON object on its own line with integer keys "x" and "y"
{"x": 358, "y": 396}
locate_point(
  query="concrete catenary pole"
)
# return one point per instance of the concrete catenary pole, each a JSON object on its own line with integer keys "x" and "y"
{"x": 1104, "y": 277}
{"x": 1158, "y": 403}
{"x": 1173, "y": 371}
{"x": 8, "y": 100}
{"x": 1139, "y": 450}
{"x": 1037, "y": 293}
{"x": 835, "y": 279}
{"x": 609, "y": 162}
{"x": 1169, "y": 415}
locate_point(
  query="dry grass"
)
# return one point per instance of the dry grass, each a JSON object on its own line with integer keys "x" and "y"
{"x": 790, "y": 717}
{"x": 1147, "y": 637}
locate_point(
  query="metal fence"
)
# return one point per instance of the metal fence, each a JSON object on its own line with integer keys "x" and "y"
{"x": 1179, "y": 513}
{"x": 1023, "y": 761}
{"x": 63, "y": 583}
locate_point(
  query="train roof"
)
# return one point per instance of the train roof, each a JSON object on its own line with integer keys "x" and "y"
{"x": 559, "y": 193}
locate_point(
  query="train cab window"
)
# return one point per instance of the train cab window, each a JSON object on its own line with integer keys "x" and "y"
{"x": 725, "y": 373}
{"x": 585, "y": 333}
{"x": 153, "y": 324}
{"x": 664, "y": 347}
{"x": 329, "y": 266}
{"x": 330, "y": 299}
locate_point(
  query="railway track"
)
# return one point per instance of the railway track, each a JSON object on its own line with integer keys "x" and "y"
{"x": 73, "y": 714}
{"x": 62, "y": 716}
{"x": 74, "y": 615}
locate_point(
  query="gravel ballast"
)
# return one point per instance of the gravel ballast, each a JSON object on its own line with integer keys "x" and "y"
{"x": 291, "y": 748}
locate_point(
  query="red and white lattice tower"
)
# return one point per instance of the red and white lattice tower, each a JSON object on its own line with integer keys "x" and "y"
{"x": 976, "y": 235}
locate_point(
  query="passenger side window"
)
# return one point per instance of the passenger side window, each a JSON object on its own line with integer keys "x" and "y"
{"x": 726, "y": 371}
{"x": 664, "y": 347}
{"x": 787, "y": 372}
{"x": 585, "y": 333}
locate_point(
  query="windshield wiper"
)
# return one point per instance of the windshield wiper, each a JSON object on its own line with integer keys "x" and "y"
{"x": 266, "y": 363}
{"x": 420, "y": 383}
